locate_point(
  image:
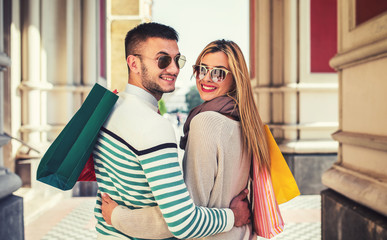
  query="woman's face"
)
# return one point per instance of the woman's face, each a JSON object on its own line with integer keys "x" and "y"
{"x": 209, "y": 89}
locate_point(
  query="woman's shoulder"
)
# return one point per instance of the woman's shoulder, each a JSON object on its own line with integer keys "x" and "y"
{"x": 211, "y": 116}
{"x": 213, "y": 127}
{"x": 212, "y": 120}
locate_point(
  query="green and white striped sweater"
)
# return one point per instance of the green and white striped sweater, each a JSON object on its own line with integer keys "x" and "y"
{"x": 136, "y": 163}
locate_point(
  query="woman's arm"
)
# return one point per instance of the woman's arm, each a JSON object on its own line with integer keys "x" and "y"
{"x": 149, "y": 222}
{"x": 140, "y": 223}
{"x": 200, "y": 165}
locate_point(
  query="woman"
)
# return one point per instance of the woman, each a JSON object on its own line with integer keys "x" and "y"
{"x": 220, "y": 135}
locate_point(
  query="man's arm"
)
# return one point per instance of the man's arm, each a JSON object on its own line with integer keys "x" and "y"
{"x": 149, "y": 222}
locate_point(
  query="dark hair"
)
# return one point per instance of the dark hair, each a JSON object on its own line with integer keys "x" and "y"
{"x": 142, "y": 32}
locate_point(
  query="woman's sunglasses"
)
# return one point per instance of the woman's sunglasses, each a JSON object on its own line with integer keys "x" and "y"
{"x": 216, "y": 74}
{"x": 164, "y": 60}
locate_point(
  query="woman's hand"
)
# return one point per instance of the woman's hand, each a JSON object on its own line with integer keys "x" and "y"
{"x": 107, "y": 208}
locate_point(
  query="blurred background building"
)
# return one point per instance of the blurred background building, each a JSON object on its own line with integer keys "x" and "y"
{"x": 318, "y": 68}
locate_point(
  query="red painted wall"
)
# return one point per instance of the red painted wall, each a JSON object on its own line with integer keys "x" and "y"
{"x": 323, "y": 34}
{"x": 252, "y": 38}
{"x": 102, "y": 35}
{"x": 367, "y": 9}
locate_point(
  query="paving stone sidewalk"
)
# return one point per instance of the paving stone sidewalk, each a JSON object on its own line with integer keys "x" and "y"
{"x": 73, "y": 219}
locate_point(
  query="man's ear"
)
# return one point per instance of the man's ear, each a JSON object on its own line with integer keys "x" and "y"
{"x": 133, "y": 63}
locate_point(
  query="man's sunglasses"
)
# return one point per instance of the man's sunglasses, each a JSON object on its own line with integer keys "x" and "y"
{"x": 164, "y": 60}
{"x": 216, "y": 74}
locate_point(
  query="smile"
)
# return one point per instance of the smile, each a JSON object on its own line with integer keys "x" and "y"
{"x": 207, "y": 88}
{"x": 166, "y": 78}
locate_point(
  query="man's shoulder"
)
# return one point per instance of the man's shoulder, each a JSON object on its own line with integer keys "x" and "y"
{"x": 139, "y": 125}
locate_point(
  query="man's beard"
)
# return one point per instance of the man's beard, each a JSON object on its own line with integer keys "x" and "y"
{"x": 151, "y": 85}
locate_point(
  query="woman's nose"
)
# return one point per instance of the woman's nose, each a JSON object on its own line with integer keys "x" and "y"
{"x": 207, "y": 77}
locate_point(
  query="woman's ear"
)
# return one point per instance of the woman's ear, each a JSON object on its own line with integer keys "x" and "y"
{"x": 133, "y": 63}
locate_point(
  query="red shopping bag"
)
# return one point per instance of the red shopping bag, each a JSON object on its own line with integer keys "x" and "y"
{"x": 88, "y": 172}
{"x": 267, "y": 219}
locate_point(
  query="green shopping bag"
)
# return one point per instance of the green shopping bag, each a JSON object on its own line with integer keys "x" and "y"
{"x": 65, "y": 159}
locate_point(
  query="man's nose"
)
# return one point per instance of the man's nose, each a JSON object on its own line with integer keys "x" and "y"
{"x": 173, "y": 68}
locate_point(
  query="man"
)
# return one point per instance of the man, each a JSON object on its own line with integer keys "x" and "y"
{"x": 136, "y": 158}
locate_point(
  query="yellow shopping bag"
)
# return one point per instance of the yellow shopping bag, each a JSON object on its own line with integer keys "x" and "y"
{"x": 284, "y": 185}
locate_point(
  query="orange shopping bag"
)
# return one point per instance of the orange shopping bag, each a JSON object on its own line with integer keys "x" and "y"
{"x": 284, "y": 184}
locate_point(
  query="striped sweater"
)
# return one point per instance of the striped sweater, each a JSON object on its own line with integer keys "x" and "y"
{"x": 136, "y": 163}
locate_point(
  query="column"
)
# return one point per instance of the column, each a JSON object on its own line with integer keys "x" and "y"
{"x": 11, "y": 207}
{"x": 122, "y": 15}
{"x": 300, "y": 106}
{"x": 354, "y": 206}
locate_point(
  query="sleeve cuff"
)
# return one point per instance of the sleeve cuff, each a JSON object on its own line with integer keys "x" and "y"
{"x": 116, "y": 216}
{"x": 230, "y": 220}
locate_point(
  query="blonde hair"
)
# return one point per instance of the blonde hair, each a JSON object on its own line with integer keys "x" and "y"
{"x": 253, "y": 132}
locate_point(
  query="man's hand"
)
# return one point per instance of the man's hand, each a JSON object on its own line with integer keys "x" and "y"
{"x": 240, "y": 207}
{"x": 107, "y": 208}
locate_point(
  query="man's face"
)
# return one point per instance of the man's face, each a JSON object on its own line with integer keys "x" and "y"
{"x": 155, "y": 80}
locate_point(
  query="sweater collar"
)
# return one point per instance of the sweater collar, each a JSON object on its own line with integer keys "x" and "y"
{"x": 142, "y": 94}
